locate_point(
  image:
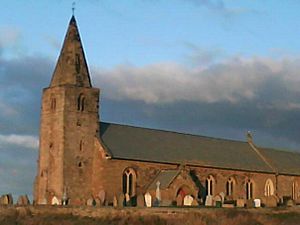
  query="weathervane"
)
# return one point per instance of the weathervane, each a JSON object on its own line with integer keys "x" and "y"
{"x": 73, "y": 7}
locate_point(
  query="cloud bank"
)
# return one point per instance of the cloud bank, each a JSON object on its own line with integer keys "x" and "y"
{"x": 236, "y": 80}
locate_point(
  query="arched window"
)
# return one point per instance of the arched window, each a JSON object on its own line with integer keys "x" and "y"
{"x": 249, "y": 189}
{"x": 80, "y": 102}
{"x": 129, "y": 182}
{"x": 295, "y": 190}
{"x": 209, "y": 185}
{"x": 53, "y": 103}
{"x": 269, "y": 188}
{"x": 229, "y": 186}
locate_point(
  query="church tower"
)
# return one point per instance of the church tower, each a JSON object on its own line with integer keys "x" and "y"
{"x": 69, "y": 127}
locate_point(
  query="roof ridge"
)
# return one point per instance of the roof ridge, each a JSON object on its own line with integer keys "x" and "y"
{"x": 177, "y": 132}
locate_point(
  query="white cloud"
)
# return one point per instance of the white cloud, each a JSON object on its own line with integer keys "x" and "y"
{"x": 22, "y": 141}
{"x": 233, "y": 81}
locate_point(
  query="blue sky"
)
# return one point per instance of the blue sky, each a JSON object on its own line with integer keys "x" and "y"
{"x": 210, "y": 67}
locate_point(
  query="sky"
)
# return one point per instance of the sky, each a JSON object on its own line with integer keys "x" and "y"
{"x": 215, "y": 68}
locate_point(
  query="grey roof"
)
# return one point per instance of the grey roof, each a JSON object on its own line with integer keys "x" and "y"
{"x": 165, "y": 177}
{"x": 283, "y": 161}
{"x": 135, "y": 143}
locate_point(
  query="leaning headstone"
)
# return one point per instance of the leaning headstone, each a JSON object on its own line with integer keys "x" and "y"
{"x": 102, "y": 196}
{"x": 115, "y": 202}
{"x": 209, "y": 200}
{"x": 121, "y": 200}
{"x": 187, "y": 201}
{"x": 148, "y": 199}
{"x": 179, "y": 200}
{"x": 140, "y": 201}
{"x": 54, "y": 201}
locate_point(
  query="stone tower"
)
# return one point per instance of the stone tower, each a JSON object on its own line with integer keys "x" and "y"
{"x": 69, "y": 127}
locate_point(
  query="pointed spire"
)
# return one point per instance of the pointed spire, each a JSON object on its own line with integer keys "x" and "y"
{"x": 71, "y": 67}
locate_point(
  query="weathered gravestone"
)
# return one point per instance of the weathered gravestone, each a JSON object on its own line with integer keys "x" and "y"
{"x": 148, "y": 199}
{"x": 90, "y": 202}
{"x": 23, "y": 200}
{"x": 179, "y": 200}
{"x": 140, "y": 201}
{"x": 101, "y": 196}
{"x": 115, "y": 202}
{"x": 54, "y": 201}
{"x": 127, "y": 200}
{"x": 121, "y": 200}
{"x": 209, "y": 200}
{"x": 6, "y": 199}
{"x": 187, "y": 201}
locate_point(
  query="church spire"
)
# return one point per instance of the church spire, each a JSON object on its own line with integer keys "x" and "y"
{"x": 71, "y": 67}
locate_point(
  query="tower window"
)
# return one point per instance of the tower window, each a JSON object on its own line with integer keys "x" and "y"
{"x": 53, "y": 103}
{"x": 129, "y": 182}
{"x": 80, "y": 103}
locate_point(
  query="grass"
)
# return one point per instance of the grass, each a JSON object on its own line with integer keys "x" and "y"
{"x": 107, "y": 216}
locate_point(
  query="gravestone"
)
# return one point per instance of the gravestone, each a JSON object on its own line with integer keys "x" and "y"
{"x": 127, "y": 200}
{"x": 222, "y": 195}
{"x": 140, "y": 201}
{"x": 10, "y": 199}
{"x": 121, "y": 200}
{"x": 23, "y": 200}
{"x": 187, "y": 201}
{"x": 257, "y": 203}
{"x": 101, "y": 196}
{"x": 90, "y": 202}
{"x": 148, "y": 199}
{"x": 179, "y": 200}
{"x": 54, "y": 201}
{"x": 115, "y": 202}
{"x": 209, "y": 200}
{"x": 240, "y": 203}
{"x": 217, "y": 200}
{"x": 98, "y": 202}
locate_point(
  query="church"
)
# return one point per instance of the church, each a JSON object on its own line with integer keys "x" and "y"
{"x": 83, "y": 158}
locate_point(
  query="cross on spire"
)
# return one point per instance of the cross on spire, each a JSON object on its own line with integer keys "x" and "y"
{"x": 73, "y": 8}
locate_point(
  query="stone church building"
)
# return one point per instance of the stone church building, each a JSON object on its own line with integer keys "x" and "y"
{"x": 82, "y": 158}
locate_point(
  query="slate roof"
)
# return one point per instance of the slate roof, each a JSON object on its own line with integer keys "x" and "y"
{"x": 165, "y": 177}
{"x": 143, "y": 144}
{"x": 283, "y": 161}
